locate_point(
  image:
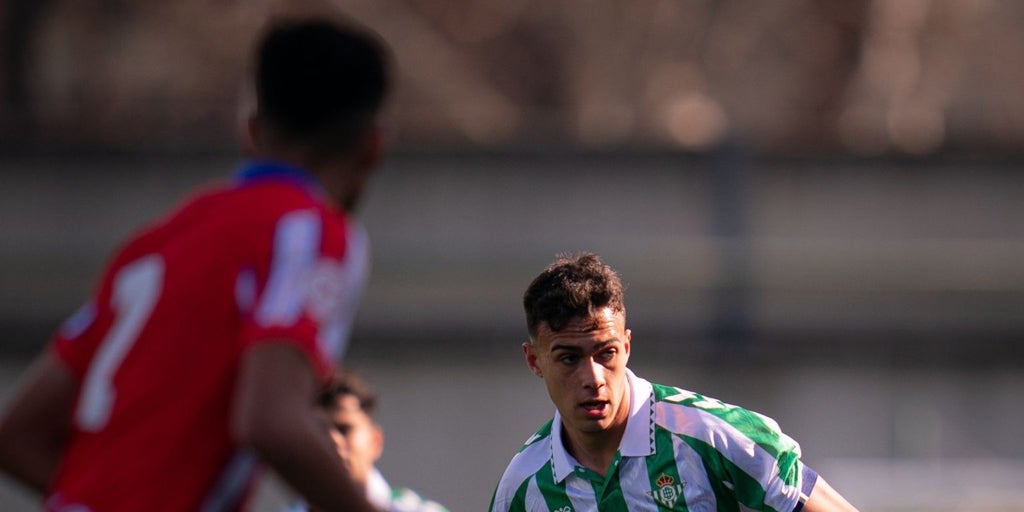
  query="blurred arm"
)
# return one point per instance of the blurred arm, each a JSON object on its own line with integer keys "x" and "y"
{"x": 276, "y": 414}
{"x": 35, "y": 426}
{"x": 824, "y": 498}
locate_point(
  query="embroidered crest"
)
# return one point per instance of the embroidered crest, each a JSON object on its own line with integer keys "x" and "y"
{"x": 668, "y": 491}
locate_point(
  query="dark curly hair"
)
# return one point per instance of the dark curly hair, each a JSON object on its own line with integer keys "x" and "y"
{"x": 574, "y": 286}
{"x": 347, "y": 382}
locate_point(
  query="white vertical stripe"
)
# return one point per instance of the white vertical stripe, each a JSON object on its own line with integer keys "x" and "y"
{"x": 636, "y": 485}
{"x": 581, "y": 493}
{"x": 296, "y": 245}
{"x": 524, "y": 466}
{"x": 534, "y": 498}
{"x": 696, "y": 485}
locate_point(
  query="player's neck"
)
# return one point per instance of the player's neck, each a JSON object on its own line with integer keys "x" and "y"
{"x": 594, "y": 450}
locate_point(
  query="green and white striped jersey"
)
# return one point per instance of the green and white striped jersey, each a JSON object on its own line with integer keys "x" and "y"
{"x": 387, "y": 498}
{"x": 681, "y": 451}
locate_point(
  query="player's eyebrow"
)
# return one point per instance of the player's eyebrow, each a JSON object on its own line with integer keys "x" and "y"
{"x": 573, "y": 348}
{"x": 566, "y": 348}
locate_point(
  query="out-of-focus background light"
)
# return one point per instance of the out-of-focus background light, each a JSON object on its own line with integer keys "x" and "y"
{"x": 914, "y": 77}
{"x": 816, "y": 206}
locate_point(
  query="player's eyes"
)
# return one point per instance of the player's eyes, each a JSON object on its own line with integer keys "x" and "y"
{"x": 568, "y": 358}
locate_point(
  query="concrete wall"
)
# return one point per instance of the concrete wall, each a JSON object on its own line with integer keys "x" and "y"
{"x": 874, "y": 308}
{"x": 773, "y": 248}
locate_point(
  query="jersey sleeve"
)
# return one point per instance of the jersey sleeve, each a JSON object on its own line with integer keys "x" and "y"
{"x": 74, "y": 342}
{"x": 78, "y": 337}
{"x": 756, "y": 463}
{"x": 761, "y": 461}
{"x": 283, "y": 297}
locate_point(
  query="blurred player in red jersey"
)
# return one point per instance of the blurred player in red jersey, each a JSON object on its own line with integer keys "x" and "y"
{"x": 201, "y": 352}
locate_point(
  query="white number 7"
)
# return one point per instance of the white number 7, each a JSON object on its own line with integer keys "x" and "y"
{"x": 136, "y": 289}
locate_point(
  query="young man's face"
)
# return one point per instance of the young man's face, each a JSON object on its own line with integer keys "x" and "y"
{"x": 359, "y": 440}
{"x": 584, "y": 369}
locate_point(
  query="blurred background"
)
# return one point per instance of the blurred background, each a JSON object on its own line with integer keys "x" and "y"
{"x": 816, "y": 206}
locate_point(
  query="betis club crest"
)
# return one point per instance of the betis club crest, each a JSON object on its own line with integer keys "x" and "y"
{"x": 668, "y": 491}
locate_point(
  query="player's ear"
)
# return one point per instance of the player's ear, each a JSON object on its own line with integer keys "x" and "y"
{"x": 246, "y": 123}
{"x": 371, "y": 148}
{"x": 377, "y": 438}
{"x": 531, "y": 358}
{"x": 250, "y": 134}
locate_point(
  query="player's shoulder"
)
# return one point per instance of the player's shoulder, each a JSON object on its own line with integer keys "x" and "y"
{"x": 687, "y": 412}
{"x": 671, "y": 396}
{"x": 530, "y": 459}
{"x": 279, "y": 206}
{"x": 276, "y": 196}
{"x": 542, "y": 434}
{"x": 407, "y": 500}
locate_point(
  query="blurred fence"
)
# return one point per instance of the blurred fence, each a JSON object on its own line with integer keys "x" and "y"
{"x": 872, "y": 306}
{"x": 825, "y": 253}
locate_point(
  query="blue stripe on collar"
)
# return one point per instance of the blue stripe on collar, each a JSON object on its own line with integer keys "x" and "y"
{"x": 264, "y": 170}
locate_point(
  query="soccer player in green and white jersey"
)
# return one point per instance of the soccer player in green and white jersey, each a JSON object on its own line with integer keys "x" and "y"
{"x": 350, "y": 405}
{"x": 620, "y": 443}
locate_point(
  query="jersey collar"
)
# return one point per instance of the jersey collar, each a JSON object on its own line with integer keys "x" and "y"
{"x": 265, "y": 170}
{"x": 637, "y": 441}
{"x": 378, "y": 491}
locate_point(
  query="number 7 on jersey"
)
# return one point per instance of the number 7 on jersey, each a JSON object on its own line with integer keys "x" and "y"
{"x": 137, "y": 287}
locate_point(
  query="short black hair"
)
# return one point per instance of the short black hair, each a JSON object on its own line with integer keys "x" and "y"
{"x": 320, "y": 81}
{"x": 348, "y": 382}
{"x": 574, "y": 286}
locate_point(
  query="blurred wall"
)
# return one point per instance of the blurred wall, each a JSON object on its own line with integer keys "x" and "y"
{"x": 866, "y": 77}
{"x": 815, "y": 206}
{"x": 870, "y": 252}
{"x": 872, "y": 306}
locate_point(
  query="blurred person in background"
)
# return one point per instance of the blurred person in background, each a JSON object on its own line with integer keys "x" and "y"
{"x": 212, "y": 330}
{"x": 618, "y": 442}
{"x": 350, "y": 406}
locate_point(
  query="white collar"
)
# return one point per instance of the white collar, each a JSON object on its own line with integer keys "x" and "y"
{"x": 378, "y": 492}
{"x": 637, "y": 440}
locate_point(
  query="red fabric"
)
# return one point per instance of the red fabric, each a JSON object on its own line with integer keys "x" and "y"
{"x": 166, "y": 440}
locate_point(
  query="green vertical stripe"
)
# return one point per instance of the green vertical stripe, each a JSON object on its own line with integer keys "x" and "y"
{"x": 789, "y": 468}
{"x": 610, "y": 499}
{"x": 662, "y": 466}
{"x": 519, "y": 501}
{"x": 554, "y": 493}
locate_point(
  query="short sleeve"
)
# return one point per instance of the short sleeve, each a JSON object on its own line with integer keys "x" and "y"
{"x": 283, "y": 307}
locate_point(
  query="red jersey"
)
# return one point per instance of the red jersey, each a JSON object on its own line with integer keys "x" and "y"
{"x": 157, "y": 349}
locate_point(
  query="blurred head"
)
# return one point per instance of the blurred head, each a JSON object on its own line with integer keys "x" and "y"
{"x": 350, "y": 406}
{"x": 579, "y": 343}
{"x": 320, "y": 84}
